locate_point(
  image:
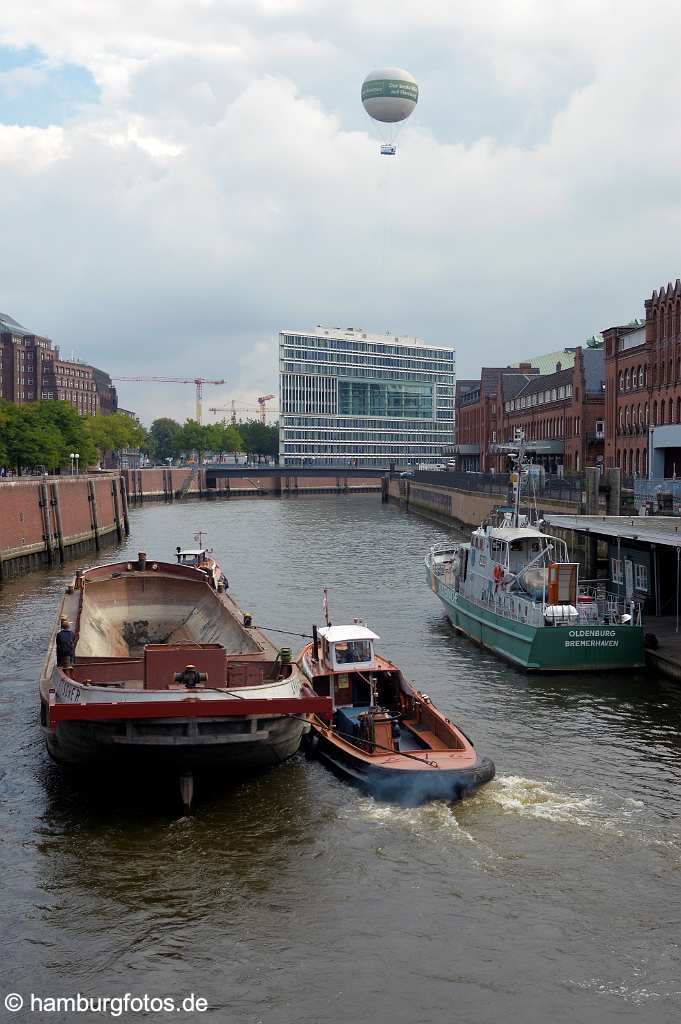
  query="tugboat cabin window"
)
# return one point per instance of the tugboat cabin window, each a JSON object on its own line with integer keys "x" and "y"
{"x": 347, "y": 647}
{"x": 351, "y": 652}
{"x": 192, "y": 557}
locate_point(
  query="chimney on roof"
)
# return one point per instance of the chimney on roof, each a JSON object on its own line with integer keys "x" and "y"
{"x": 558, "y": 367}
{"x": 524, "y": 367}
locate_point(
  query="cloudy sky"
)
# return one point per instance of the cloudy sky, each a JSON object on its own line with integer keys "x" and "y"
{"x": 179, "y": 179}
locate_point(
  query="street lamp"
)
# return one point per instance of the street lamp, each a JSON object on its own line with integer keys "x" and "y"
{"x": 77, "y": 463}
{"x": 74, "y": 462}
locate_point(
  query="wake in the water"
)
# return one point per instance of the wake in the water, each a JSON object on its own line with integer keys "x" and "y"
{"x": 608, "y": 814}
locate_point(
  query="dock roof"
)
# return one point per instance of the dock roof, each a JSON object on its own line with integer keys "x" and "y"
{"x": 664, "y": 530}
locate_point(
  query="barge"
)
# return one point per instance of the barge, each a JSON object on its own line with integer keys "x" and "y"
{"x": 169, "y": 673}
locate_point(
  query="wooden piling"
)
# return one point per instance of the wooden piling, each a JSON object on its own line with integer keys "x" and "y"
{"x": 44, "y": 503}
{"x": 116, "y": 511}
{"x": 59, "y": 529}
{"x": 124, "y": 505}
{"x": 92, "y": 498}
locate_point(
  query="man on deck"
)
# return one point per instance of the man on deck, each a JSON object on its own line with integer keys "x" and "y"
{"x": 66, "y": 644}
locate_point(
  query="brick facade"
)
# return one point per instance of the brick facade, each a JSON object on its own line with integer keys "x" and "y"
{"x": 31, "y": 369}
{"x": 643, "y": 382}
{"x": 479, "y": 414}
{"x": 562, "y": 415}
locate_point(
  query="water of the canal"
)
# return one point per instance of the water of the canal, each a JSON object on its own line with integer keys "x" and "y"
{"x": 553, "y": 895}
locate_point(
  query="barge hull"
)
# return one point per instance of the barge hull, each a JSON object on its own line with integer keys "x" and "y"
{"x": 232, "y": 745}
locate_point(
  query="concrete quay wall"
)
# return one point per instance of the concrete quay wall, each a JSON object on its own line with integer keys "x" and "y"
{"x": 47, "y": 520}
{"x": 173, "y": 484}
{"x": 456, "y": 506}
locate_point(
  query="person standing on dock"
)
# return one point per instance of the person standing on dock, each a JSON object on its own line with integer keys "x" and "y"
{"x": 66, "y": 644}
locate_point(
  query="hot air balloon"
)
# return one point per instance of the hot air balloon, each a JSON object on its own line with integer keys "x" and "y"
{"x": 389, "y": 95}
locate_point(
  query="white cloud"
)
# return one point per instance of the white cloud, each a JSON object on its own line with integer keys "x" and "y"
{"x": 226, "y": 184}
{"x": 31, "y": 149}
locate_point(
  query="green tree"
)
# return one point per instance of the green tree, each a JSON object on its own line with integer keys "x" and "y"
{"x": 72, "y": 429}
{"x": 195, "y": 438}
{"x": 259, "y": 439}
{"x": 30, "y": 440}
{"x": 114, "y": 432}
{"x": 165, "y": 439}
{"x": 225, "y": 438}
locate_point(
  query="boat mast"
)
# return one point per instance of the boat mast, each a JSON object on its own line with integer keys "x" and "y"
{"x": 519, "y": 465}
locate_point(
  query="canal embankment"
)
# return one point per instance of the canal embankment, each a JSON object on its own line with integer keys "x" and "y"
{"x": 45, "y": 520}
{"x": 236, "y": 481}
{"x": 459, "y": 506}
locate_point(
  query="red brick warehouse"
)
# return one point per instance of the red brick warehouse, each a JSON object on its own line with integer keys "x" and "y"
{"x": 561, "y": 412}
{"x": 643, "y": 388}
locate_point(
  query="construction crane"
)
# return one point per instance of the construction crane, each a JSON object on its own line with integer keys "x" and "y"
{"x": 243, "y": 408}
{"x": 232, "y": 410}
{"x": 261, "y": 403}
{"x": 198, "y": 381}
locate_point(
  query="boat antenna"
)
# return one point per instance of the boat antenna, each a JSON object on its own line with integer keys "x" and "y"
{"x": 519, "y": 466}
{"x": 198, "y": 537}
{"x": 534, "y": 499}
{"x": 325, "y": 606}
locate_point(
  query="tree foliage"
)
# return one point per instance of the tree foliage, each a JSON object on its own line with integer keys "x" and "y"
{"x": 114, "y": 432}
{"x": 165, "y": 439}
{"x": 169, "y": 439}
{"x": 43, "y": 435}
{"x": 259, "y": 439}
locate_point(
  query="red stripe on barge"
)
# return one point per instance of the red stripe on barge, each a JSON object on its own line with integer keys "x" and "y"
{"x": 188, "y": 707}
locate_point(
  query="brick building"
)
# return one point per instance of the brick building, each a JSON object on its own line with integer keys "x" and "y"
{"x": 479, "y": 408}
{"x": 643, "y": 387}
{"x": 561, "y": 413}
{"x": 31, "y": 369}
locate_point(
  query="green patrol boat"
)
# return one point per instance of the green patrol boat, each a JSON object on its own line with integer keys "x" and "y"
{"x": 514, "y": 590}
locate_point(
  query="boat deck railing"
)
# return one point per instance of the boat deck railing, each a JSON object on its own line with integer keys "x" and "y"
{"x": 611, "y": 606}
{"x": 604, "y": 608}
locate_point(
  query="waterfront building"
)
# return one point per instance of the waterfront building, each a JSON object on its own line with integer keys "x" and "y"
{"x": 643, "y": 386}
{"x": 558, "y": 401}
{"x": 479, "y": 413}
{"x": 351, "y": 397}
{"x": 562, "y": 414}
{"x": 31, "y": 369}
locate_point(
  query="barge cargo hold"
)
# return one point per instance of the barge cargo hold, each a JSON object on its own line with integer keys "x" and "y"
{"x": 168, "y": 672}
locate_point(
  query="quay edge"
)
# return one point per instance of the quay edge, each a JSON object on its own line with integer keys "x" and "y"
{"x": 46, "y": 520}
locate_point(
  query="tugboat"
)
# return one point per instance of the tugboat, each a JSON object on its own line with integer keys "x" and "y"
{"x": 169, "y": 673}
{"x": 514, "y": 590}
{"x": 203, "y": 559}
{"x": 380, "y": 732}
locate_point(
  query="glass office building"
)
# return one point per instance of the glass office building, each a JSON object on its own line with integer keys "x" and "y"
{"x": 353, "y": 398}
